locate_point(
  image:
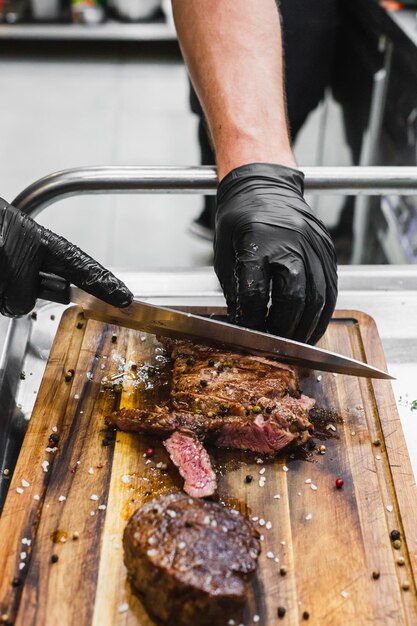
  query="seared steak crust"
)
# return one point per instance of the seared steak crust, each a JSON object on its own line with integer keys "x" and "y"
{"x": 190, "y": 559}
{"x": 227, "y": 399}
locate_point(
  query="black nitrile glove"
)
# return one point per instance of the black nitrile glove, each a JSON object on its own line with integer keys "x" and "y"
{"x": 26, "y": 248}
{"x": 268, "y": 243}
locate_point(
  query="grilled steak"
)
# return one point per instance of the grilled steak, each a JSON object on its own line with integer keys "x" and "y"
{"x": 193, "y": 463}
{"x": 226, "y": 399}
{"x": 190, "y": 559}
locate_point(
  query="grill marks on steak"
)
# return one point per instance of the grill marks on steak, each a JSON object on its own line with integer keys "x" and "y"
{"x": 193, "y": 464}
{"x": 190, "y": 559}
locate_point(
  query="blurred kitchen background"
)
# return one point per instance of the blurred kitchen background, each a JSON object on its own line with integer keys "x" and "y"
{"x": 94, "y": 83}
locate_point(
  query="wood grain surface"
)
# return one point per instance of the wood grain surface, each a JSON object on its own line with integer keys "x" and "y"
{"x": 340, "y": 565}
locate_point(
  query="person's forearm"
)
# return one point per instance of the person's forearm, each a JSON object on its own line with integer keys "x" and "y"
{"x": 233, "y": 52}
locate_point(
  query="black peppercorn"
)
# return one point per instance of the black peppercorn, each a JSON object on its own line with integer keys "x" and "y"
{"x": 22, "y": 375}
{"x": 248, "y": 478}
{"x": 306, "y": 615}
{"x": 203, "y": 383}
{"x": 190, "y": 362}
{"x": 54, "y": 558}
{"x": 211, "y": 362}
{"x": 69, "y": 375}
{"x": 34, "y": 315}
{"x": 105, "y": 442}
{"x": 16, "y": 582}
{"x": 268, "y": 409}
{"x": 54, "y": 437}
{"x": 80, "y": 325}
{"x": 220, "y": 368}
{"x": 394, "y": 535}
{"x": 311, "y": 444}
{"x": 283, "y": 571}
{"x": 134, "y": 367}
{"x": 281, "y": 611}
{"x": 188, "y": 524}
{"x": 375, "y": 575}
{"x": 113, "y": 338}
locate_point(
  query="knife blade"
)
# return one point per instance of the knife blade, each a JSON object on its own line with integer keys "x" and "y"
{"x": 176, "y": 324}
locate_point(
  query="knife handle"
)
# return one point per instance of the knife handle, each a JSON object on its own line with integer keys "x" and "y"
{"x": 54, "y": 288}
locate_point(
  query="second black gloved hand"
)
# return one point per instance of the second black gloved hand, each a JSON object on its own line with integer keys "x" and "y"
{"x": 269, "y": 244}
{"x": 26, "y": 248}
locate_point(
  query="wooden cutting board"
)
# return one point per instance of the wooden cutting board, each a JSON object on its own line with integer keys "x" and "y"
{"x": 79, "y": 498}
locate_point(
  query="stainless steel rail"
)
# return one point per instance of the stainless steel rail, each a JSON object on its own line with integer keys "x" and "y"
{"x": 203, "y": 180}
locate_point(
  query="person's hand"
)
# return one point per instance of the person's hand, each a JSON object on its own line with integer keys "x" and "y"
{"x": 26, "y": 248}
{"x": 269, "y": 244}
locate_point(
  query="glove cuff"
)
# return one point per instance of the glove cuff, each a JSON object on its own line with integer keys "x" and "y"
{"x": 263, "y": 173}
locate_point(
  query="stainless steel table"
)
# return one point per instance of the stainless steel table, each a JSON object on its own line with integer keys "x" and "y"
{"x": 387, "y": 293}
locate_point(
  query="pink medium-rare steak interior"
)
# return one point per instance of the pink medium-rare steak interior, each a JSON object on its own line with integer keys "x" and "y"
{"x": 193, "y": 463}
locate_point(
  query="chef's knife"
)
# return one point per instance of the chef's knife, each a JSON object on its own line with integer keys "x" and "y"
{"x": 179, "y": 325}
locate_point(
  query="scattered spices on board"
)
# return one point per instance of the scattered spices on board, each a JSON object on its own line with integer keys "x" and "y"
{"x": 397, "y": 544}
{"x": 248, "y": 478}
{"x": 376, "y": 443}
{"x": 306, "y": 615}
{"x": 375, "y": 574}
{"x": 149, "y": 452}
{"x": 339, "y": 483}
{"x": 281, "y": 612}
{"x": 283, "y": 571}
{"x": 54, "y": 558}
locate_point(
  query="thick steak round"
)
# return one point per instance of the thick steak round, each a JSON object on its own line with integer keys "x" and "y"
{"x": 190, "y": 559}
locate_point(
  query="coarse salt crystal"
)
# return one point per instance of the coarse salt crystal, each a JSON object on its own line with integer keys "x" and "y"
{"x": 52, "y": 450}
{"x": 21, "y": 566}
{"x": 234, "y": 512}
{"x": 91, "y": 470}
{"x": 171, "y": 513}
{"x": 277, "y": 496}
{"x": 285, "y": 468}
{"x": 181, "y": 545}
{"x": 45, "y": 465}
{"x": 390, "y": 508}
{"x": 283, "y": 543}
{"x": 23, "y": 555}
{"x": 270, "y": 555}
{"x": 331, "y": 427}
{"x": 102, "y": 507}
{"x": 54, "y": 429}
{"x": 213, "y": 523}
{"x": 231, "y": 622}
{"x": 25, "y": 483}
{"x": 344, "y": 594}
{"x": 307, "y": 481}
{"x": 261, "y": 537}
{"x": 313, "y": 487}
{"x": 261, "y": 522}
{"x": 36, "y": 497}
{"x": 309, "y": 516}
{"x": 299, "y": 493}
{"x": 255, "y": 518}
{"x": 19, "y": 489}
{"x": 148, "y": 461}
{"x": 378, "y": 457}
{"x": 62, "y": 499}
{"x": 259, "y": 461}
{"x": 122, "y": 608}
{"x": 152, "y": 552}
{"x": 92, "y": 513}
{"x": 262, "y": 471}
{"x": 160, "y": 464}
{"x": 261, "y": 482}
{"x": 206, "y": 520}
{"x": 276, "y": 559}
{"x": 268, "y": 525}
{"x": 319, "y": 377}
{"x": 24, "y": 541}
{"x": 76, "y": 397}
{"x": 256, "y": 618}
{"x": 126, "y": 479}
{"x": 94, "y": 497}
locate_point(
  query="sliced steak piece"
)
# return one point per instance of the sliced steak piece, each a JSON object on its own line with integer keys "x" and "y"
{"x": 193, "y": 464}
{"x": 190, "y": 559}
{"x": 228, "y": 400}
